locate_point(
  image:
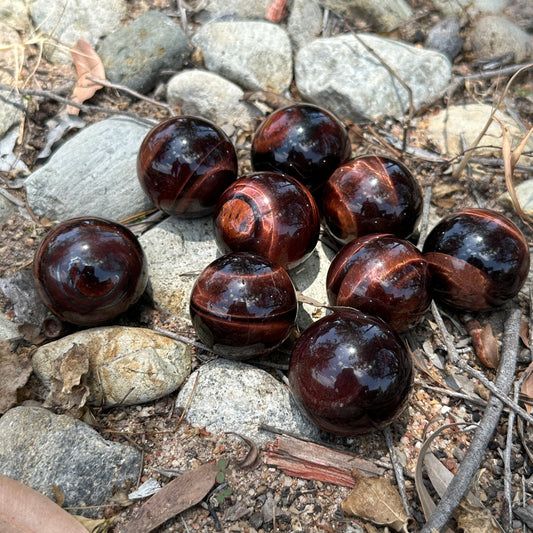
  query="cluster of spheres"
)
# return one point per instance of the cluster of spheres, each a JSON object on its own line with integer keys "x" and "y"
{"x": 349, "y": 371}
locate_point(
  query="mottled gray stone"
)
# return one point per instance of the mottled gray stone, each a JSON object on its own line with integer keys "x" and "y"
{"x": 305, "y": 22}
{"x": 384, "y": 15}
{"x": 234, "y": 396}
{"x": 177, "y": 250}
{"x": 41, "y": 449}
{"x": 7, "y": 209}
{"x": 445, "y": 37}
{"x": 524, "y": 193}
{"x": 11, "y": 110}
{"x": 68, "y": 21}
{"x": 8, "y": 329}
{"x": 494, "y": 36}
{"x": 127, "y": 365}
{"x": 256, "y": 55}
{"x": 135, "y": 55}
{"x": 468, "y": 7}
{"x": 93, "y": 173}
{"x": 15, "y": 14}
{"x": 341, "y": 74}
{"x": 243, "y": 9}
{"x": 203, "y": 93}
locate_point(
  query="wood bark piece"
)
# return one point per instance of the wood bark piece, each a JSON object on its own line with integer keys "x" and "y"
{"x": 177, "y": 496}
{"x": 312, "y": 461}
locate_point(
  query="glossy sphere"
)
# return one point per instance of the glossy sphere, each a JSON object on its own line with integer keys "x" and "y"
{"x": 185, "y": 164}
{"x": 270, "y": 214}
{"x": 351, "y": 373}
{"x": 242, "y": 305}
{"x": 384, "y": 276}
{"x": 371, "y": 194}
{"x": 479, "y": 259}
{"x": 302, "y": 140}
{"x": 89, "y": 270}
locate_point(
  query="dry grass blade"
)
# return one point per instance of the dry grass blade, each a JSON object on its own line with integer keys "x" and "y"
{"x": 87, "y": 63}
{"x": 526, "y": 390}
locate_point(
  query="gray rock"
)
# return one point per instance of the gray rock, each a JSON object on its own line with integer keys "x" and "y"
{"x": 239, "y": 397}
{"x": 524, "y": 193}
{"x": 15, "y": 14}
{"x": 11, "y": 110}
{"x": 384, "y": 15}
{"x": 67, "y": 21}
{"x": 177, "y": 251}
{"x": 134, "y": 55}
{"x": 494, "y": 36}
{"x": 469, "y": 8}
{"x": 93, "y": 173}
{"x": 341, "y": 74}
{"x": 243, "y": 9}
{"x": 7, "y": 209}
{"x": 41, "y": 449}
{"x": 447, "y": 128}
{"x": 8, "y": 329}
{"x": 445, "y": 37}
{"x": 305, "y": 22}
{"x": 127, "y": 366}
{"x": 255, "y": 55}
{"x": 198, "y": 92}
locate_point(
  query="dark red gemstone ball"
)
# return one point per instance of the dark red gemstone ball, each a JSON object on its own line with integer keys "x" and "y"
{"x": 89, "y": 270}
{"x": 243, "y": 305}
{"x": 371, "y": 194}
{"x": 270, "y": 214}
{"x": 351, "y": 373}
{"x": 302, "y": 140}
{"x": 478, "y": 258}
{"x": 384, "y": 276}
{"x": 184, "y": 165}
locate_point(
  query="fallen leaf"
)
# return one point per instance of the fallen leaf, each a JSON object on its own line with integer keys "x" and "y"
{"x": 24, "y": 510}
{"x": 87, "y": 63}
{"x": 252, "y": 456}
{"x": 31, "y": 333}
{"x": 526, "y": 390}
{"x": 15, "y": 369}
{"x": 376, "y": 500}
{"x": 474, "y": 519}
{"x": 67, "y": 388}
{"x": 524, "y": 332}
{"x": 96, "y": 525}
{"x": 177, "y": 496}
{"x": 484, "y": 342}
{"x": 59, "y": 495}
{"x": 57, "y": 128}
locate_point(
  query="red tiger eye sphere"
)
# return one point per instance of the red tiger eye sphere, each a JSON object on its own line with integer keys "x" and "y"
{"x": 371, "y": 194}
{"x": 243, "y": 305}
{"x": 270, "y": 214}
{"x": 384, "y": 276}
{"x": 478, "y": 258}
{"x": 89, "y": 270}
{"x": 302, "y": 140}
{"x": 185, "y": 164}
{"x": 350, "y": 373}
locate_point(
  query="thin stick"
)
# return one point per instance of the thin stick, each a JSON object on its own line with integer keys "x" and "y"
{"x": 11, "y": 198}
{"x": 458, "y": 395}
{"x": 491, "y": 417}
{"x": 424, "y": 220}
{"x": 398, "y": 470}
{"x": 181, "y": 338}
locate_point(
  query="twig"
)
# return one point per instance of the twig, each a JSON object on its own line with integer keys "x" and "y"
{"x": 183, "y": 16}
{"x": 458, "y": 395}
{"x": 398, "y": 470}
{"x": 11, "y": 198}
{"x": 424, "y": 219}
{"x": 131, "y": 92}
{"x": 41, "y": 93}
{"x": 476, "y": 451}
{"x": 181, "y": 338}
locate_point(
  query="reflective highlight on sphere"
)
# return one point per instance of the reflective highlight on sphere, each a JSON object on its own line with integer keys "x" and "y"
{"x": 302, "y": 140}
{"x": 479, "y": 259}
{"x": 184, "y": 165}
{"x": 384, "y": 276}
{"x": 243, "y": 305}
{"x": 89, "y": 270}
{"x": 270, "y": 214}
{"x": 350, "y": 373}
{"x": 371, "y": 194}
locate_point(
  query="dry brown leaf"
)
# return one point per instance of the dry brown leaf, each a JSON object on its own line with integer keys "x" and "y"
{"x": 175, "y": 497}
{"x": 67, "y": 387}
{"x": 59, "y": 495}
{"x": 376, "y": 500}
{"x": 484, "y": 342}
{"x": 473, "y": 519}
{"x": 526, "y": 390}
{"x": 524, "y": 332}
{"x": 87, "y": 63}
{"x": 252, "y": 456}
{"x": 24, "y": 510}
{"x": 96, "y": 525}
{"x": 15, "y": 369}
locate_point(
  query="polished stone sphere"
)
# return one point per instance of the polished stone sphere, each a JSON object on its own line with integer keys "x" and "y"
{"x": 89, "y": 270}
{"x": 184, "y": 164}
{"x": 350, "y": 373}
{"x": 381, "y": 275}
{"x": 371, "y": 194}
{"x": 270, "y": 214}
{"x": 243, "y": 305}
{"x": 302, "y": 140}
{"x": 479, "y": 259}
